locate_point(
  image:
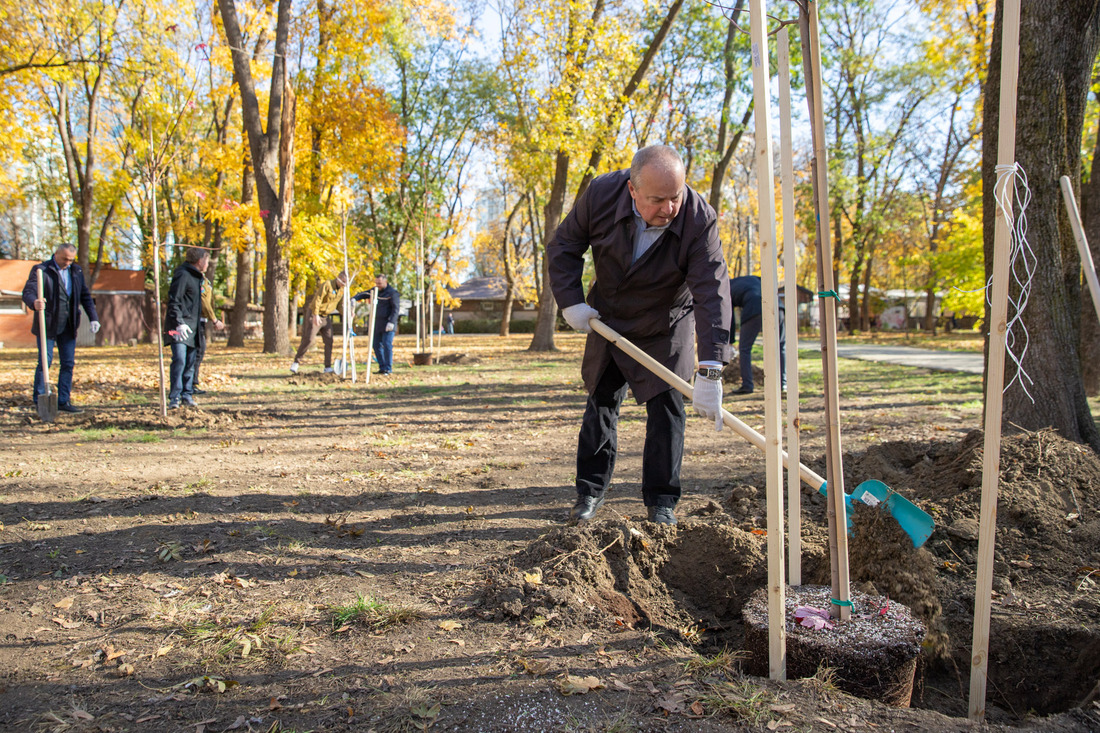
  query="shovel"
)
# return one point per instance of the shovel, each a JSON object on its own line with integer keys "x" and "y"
{"x": 47, "y": 402}
{"x": 915, "y": 521}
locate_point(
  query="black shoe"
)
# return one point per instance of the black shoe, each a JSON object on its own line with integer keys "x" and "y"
{"x": 198, "y": 391}
{"x": 586, "y": 507}
{"x": 742, "y": 390}
{"x": 69, "y": 407}
{"x": 661, "y": 514}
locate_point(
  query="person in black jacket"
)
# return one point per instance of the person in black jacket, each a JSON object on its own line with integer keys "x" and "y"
{"x": 385, "y": 321}
{"x": 745, "y": 292}
{"x": 64, "y": 293}
{"x": 181, "y": 323}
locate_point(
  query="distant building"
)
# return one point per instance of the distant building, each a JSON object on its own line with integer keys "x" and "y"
{"x": 483, "y": 297}
{"x": 120, "y": 300}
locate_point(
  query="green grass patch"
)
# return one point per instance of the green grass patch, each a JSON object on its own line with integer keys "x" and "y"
{"x": 373, "y": 613}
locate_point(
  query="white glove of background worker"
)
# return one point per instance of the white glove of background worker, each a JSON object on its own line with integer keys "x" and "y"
{"x": 706, "y": 397}
{"x": 184, "y": 332}
{"x": 577, "y": 316}
{"x": 94, "y": 325}
{"x": 389, "y": 327}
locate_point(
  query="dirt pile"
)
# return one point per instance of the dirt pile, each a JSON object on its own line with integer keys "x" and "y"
{"x": 693, "y": 579}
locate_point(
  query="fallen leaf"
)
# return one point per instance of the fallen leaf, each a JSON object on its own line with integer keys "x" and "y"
{"x": 534, "y": 577}
{"x": 125, "y": 669}
{"x": 449, "y": 625}
{"x": 585, "y": 637}
{"x": 65, "y": 603}
{"x": 571, "y": 685}
{"x": 620, "y": 685}
{"x": 783, "y": 709}
{"x": 65, "y": 624}
{"x": 459, "y": 642}
{"x": 163, "y": 650}
{"x": 697, "y": 708}
{"x": 83, "y": 715}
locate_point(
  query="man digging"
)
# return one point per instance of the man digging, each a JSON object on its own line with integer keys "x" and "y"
{"x": 660, "y": 276}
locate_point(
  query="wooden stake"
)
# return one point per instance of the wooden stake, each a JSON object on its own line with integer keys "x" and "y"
{"x": 1082, "y": 242}
{"x": 838, "y": 536}
{"x": 769, "y": 286}
{"x": 370, "y": 330}
{"x": 159, "y": 321}
{"x": 790, "y": 271}
{"x": 995, "y": 366}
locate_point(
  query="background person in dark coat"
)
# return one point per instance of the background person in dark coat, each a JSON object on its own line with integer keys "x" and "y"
{"x": 745, "y": 293}
{"x": 181, "y": 324}
{"x": 660, "y": 280}
{"x": 385, "y": 321}
{"x": 65, "y": 293}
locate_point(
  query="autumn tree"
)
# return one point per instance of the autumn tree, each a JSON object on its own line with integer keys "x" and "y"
{"x": 270, "y": 140}
{"x": 1059, "y": 43}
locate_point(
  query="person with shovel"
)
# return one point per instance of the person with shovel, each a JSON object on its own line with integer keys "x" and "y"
{"x": 660, "y": 278}
{"x": 385, "y": 321}
{"x": 745, "y": 292}
{"x": 321, "y": 303}
{"x": 64, "y": 294}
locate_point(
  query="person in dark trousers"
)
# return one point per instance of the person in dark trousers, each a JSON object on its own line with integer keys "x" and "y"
{"x": 64, "y": 294}
{"x": 181, "y": 325}
{"x": 209, "y": 316}
{"x": 661, "y": 281}
{"x": 325, "y": 300}
{"x": 745, "y": 293}
{"x": 385, "y": 321}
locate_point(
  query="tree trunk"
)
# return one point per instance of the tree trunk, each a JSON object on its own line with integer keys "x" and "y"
{"x": 1059, "y": 41}
{"x": 547, "y": 320}
{"x": 274, "y": 191}
{"x": 865, "y": 309}
{"x": 1090, "y": 325}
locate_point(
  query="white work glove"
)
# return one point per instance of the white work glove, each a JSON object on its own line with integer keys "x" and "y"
{"x": 184, "y": 332}
{"x": 94, "y": 325}
{"x": 389, "y": 327}
{"x": 706, "y": 397}
{"x": 577, "y": 316}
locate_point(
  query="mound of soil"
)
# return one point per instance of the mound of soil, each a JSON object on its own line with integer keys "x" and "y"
{"x": 693, "y": 579}
{"x": 457, "y": 359}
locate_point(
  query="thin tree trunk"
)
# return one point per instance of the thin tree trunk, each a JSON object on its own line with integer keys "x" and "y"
{"x": 1090, "y": 325}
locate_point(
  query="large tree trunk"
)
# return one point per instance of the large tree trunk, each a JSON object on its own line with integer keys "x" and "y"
{"x": 1090, "y": 325}
{"x": 1059, "y": 40}
{"x": 548, "y": 307}
{"x": 243, "y": 294}
{"x": 271, "y": 165}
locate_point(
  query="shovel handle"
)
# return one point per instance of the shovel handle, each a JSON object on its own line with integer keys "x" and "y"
{"x": 42, "y": 335}
{"x": 674, "y": 381}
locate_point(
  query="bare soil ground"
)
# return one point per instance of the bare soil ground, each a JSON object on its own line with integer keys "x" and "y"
{"x": 301, "y": 553}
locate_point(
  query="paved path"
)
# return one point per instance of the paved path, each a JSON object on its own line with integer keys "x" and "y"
{"x": 945, "y": 361}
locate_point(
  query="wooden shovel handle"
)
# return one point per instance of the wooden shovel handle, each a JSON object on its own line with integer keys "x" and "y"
{"x": 674, "y": 381}
{"x": 42, "y": 335}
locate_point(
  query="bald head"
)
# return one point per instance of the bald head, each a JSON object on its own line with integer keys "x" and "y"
{"x": 657, "y": 184}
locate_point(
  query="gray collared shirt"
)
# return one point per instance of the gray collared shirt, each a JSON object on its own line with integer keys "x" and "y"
{"x": 644, "y": 234}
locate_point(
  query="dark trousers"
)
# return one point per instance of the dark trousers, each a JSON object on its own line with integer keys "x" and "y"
{"x": 66, "y": 353}
{"x": 200, "y": 347}
{"x": 662, "y": 455}
{"x": 383, "y": 351}
{"x": 750, "y": 329}
{"x": 311, "y": 332}
{"x": 181, "y": 375}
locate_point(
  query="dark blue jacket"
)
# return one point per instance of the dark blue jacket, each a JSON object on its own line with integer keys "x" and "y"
{"x": 745, "y": 292}
{"x": 81, "y": 296}
{"x": 389, "y": 307}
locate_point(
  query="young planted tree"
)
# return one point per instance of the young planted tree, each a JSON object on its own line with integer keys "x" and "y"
{"x": 1059, "y": 43}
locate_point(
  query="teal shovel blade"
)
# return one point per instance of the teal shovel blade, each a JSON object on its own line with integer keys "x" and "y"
{"x": 916, "y": 522}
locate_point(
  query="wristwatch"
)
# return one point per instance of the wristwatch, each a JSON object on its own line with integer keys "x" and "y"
{"x": 710, "y": 372}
